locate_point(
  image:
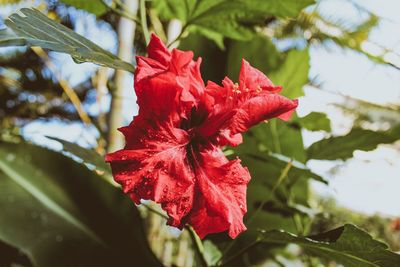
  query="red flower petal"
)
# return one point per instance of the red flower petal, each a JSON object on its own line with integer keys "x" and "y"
{"x": 158, "y": 51}
{"x": 221, "y": 201}
{"x": 259, "y": 108}
{"x": 237, "y": 107}
{"x": 155, "y": 166}
{"x": 252, "y": 78}
{"x": 167, "y": 82}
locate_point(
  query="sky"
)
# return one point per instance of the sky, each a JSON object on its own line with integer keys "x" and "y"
{"x": 368, "y": 182}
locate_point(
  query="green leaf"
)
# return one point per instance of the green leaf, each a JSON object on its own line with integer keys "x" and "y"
{"x": 260, "y": 52}
{"x": 213, "y": 58}
{"x": 39, "y": 30}
{"x": 293, "y": 74}
{"x": 231, "y": 18}
{"x": 315, "y": 121}
{"x": 347, "y": 245}
{"x": 265, "y": 170}
{"x": 216, "y": 37}
{"x": 62, "y": 214}
{"x": 179, "y": 9}
{"x": 342, "y": 147}
{"x": 8, "y": 38}
{"x": 96, "y": 7}
{"x": 89, "y": 157}
{"x": 278, "y": 162}
{"x": 211, "y": 252}
{"x": 280, "y": 137}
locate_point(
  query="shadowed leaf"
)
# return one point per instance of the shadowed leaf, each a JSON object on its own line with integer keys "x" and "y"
{"x": 347, "y": 245}
{"x": 62, "y": 214}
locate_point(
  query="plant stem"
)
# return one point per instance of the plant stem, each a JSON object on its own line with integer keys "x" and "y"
{"x": 275, "y": 137}
{"x": 183, "y": 31}
{"x": 121, "y": 12}
{"x": 198, "y": 246}
{"x": 143, "y": 21}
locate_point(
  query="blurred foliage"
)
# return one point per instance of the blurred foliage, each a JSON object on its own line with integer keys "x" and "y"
{"x": 73, "y": 214}
{"x": 74, "y": 194}
{"x": 226, "y": 18}
{"x": 28, "y": 91}
{"x": 315, "y": 121}
{"x": 96, "y": 7}
{"x": 342, "y": 147}
{"x": 378, "y": 226}
{"x": 8, "y": 2}
{"x": 370, "y": 115}
{"x": 314, "y": 28}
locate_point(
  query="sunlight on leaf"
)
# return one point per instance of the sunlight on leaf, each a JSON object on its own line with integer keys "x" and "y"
{"x": 39, "y": 30}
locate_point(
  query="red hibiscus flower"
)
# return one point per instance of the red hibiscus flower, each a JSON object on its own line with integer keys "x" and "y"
{"x": 173, "y": 146}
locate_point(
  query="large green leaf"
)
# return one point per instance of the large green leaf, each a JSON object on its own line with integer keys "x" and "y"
{"x": 39, "y": 30}
{"x": 89, "y": 157}
{"x": 62, "y": 214}
{"x": 315, "y": 121}
{"x": 347, "y": 245}
{"x": 231, "y": 18}
{"x": 293, "y": 74}
{"x": 260, "y": 52}
{"x": 278, "y": 162}
{"x": 280, "y": 137}
{"x": 96, "y": 7}
{"x": 342, "y": 147}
